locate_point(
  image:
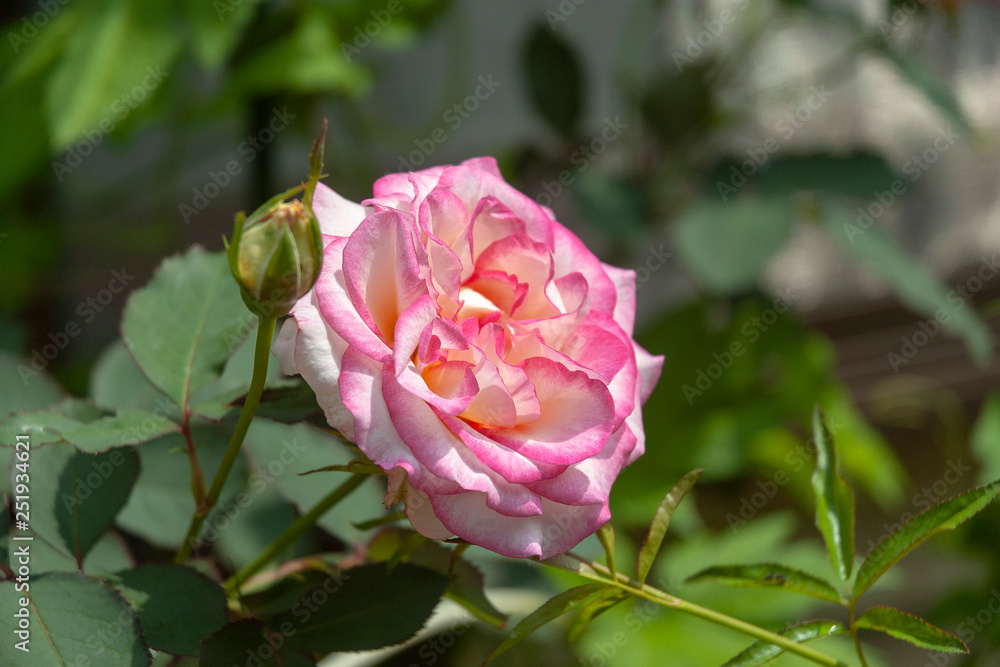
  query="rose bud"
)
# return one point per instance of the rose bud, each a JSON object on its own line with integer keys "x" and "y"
{"x": 275, "y": 256}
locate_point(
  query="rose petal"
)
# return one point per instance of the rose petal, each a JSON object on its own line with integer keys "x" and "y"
{"x": 382, "y": 273}
{"x": 307, "y": 346}
{"x": 590, "y": 480}
{"x": 336, "y": 216}
{"x": 443, "y": 454}
{"x": 577, "y": 416}
{"x": 558, "y": 529}
{"x": 338, "y": 311}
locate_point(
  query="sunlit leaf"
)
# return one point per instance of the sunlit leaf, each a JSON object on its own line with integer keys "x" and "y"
{"x": 207, "y": 320}
{"x": 834, "y": 500}
{"x": 761, "y": 652}
{"x": 945, "y": 516}
{"x": 127, "y": 427}
{"x": 661, "y": 521}
{"x": 769, "y": 575}
{"x": 910, "y": 628}
{"x": 551, "y": 610}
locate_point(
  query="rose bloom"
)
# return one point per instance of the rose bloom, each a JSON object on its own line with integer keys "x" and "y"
{"x": 477, "y": 352}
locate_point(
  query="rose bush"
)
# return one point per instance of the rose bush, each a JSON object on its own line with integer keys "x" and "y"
{"x": 478, "y": 353}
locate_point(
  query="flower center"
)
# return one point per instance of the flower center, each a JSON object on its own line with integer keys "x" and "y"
{"x": 475, "y": 304}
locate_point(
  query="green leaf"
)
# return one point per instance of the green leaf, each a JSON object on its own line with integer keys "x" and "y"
{"x": 913, "y": 283}
{"x": 260, "y": 522}
{"x": 853, "y": 174}
{"x": 278, "y": 596}
{"x": 769, "y": 575}
{"x": 551, "y": 610}
{"x": 945, "y": 516}
{"x": 834, "y": 500}
{"x": 679, "y": 107}
{"x": 616, "y": 206}
{"x": 661, "y": 521}
{"x": 216, "y": 28}
{"x": 605, "y": 601}
{"x": 280, "y": 453}
{"x": 75, "y": 619}
{"x": 365, "y": 608}
{"x": 5, "y": 530}
{"x": 107, "y": 556}
{"x": 182, "y": 352}
{"x": 220, "y": 398}
{"x": 933, "y": 88}
{"x": 910, "y": 628}
{"x": 122, "y": 46}
{"x": 986, "y": 438}
{"x": 177, "y": 606}
{"x": 161, "y": 505}
{"x": 466, "y": 585}
{"x": 117, "y": 382}
{"x": 761, "y": 652}
{"x": 606, "y": 536}
{"x": 727, "y": 244}
{"x": 554, "y": 78}
{"x": 128, "y": 427}
{"x": 307, "y": 60}
{"x": 229, "y": 646}
{"x": 34, "y": 389}
{"x": 75, "y": 496}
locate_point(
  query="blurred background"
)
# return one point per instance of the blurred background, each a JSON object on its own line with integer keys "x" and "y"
{"x": 807, "y": 190}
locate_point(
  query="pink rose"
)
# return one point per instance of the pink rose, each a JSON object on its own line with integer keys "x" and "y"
{"x": 477, "y": 352}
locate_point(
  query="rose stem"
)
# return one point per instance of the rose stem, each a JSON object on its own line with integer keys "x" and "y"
{"x": 633, "y": 587}
{"x": 295, "y": 531}
{"x": 262, "y": 351}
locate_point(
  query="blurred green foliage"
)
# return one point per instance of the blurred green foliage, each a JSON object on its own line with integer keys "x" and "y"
{"x": 144, "y": 82}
